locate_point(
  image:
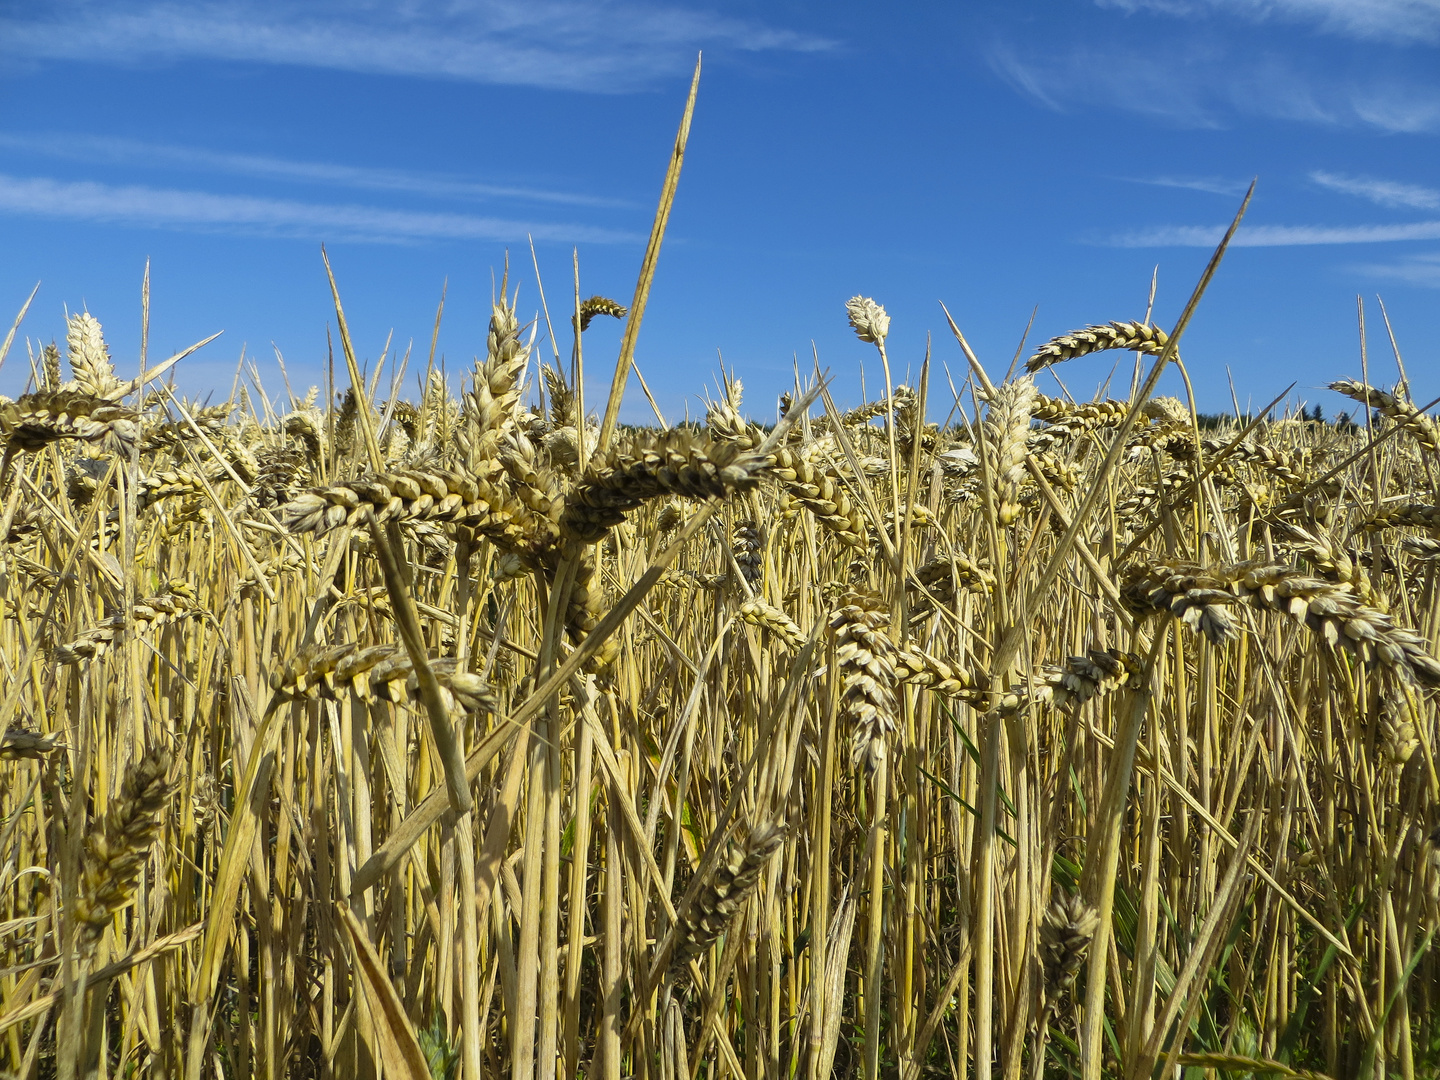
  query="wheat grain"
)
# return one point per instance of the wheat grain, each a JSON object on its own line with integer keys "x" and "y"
{"x": 865, "y": 658}
{"x": 1007, "y": 427}
{"x": 722, "y": 898}
{"x": 117, "y": 845}
{"x": 868, "y": 319}
{"x": 599, "y": 305}
{"x": 1396, "y": 407}
{"x": 1142, "y": 337}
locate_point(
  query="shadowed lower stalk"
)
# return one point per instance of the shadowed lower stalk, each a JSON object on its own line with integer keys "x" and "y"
{"x": 874, "y": 953}
{"x": 1101, "y": 865}
{"x": 584, "y": 748}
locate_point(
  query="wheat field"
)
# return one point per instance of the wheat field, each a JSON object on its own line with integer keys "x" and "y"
{"x": 458, "y": 731}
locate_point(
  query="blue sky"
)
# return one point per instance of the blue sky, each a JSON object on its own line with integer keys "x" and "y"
{"x": 997, "y": 156}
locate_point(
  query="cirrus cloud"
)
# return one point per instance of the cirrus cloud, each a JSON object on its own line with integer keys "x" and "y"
{"x": 198, "y": 211}
{"x": 1273, "y": 235}
{"x": 1389, "y": 193}
{"x": 1384, "y": 20}
{"x": 559, "y": 44}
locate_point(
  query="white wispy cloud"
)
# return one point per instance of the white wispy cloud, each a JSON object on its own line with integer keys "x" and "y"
{"x": 1242, "y": 61}
{"x": 1207, "y": 85}
{"x": 207, "y": 212}
{"x": 1273, "y": 235}
{"x": 97, "y": 149}
{"x": 1399, "y": 108}
{"x": 1203, "y": 84}
{"x": 1147, "y": 87}
{"x": 567, "y": 44}
{"x": 1385, "y": 20}
{"x": 1212, "y": 185}
{"x": 1423, "y": 270}
{"x": 1389, "y": 193}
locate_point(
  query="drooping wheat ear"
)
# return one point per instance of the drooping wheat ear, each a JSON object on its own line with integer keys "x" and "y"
{"x": 1082, "y": 417}
{"x": 279, "y": 475}
{"x": 868, "y": 319}
{"x": 1007, "y": 428}
{"x": 916, "y": 667}
{"x": 90, "y": 364}
{"x": 918, "y": 513}
{"x": 172, "y": 482}
{"x": 1167, "y": 413}
{"x": 1324, "y": 553}
{"x": 20, "y": 743}
{"x": 563, "y": 444}
{"x": 902, "y": 400}
{"x": 909, "y": 430}
{"x": 758, "y": 613}
{"x": 819, "y": 493}
{"x": 1406, "y": 515}
{"x": 285, "y": 563}
{"x": 437, "y": 495}
{"x": 719, "y": 901}
{"x": 1056, "y": 471}
{"x": 1142, "y": 337}
{"x": 1175, "y": 487}
{"x": 1098, "y": 672}
{"x": 1421, "y": 547}
{"x": 211, "y": 419}
{"x": 693, "y": 579}
{"x": 599, "y": 305}
{"x": 863, "y": 414}
{"x": 1291, "y": 468}
{"x": 1065, "y": 422}
{"x": 746, "y": 545}
{"x": 494, "y": 404}
{"x": 36, "y": 420}
{"x": 588, "y": 605}
{"x": 404, "y": 415}
{"x": 1065, "y": 935}
{"x": 1395, "y": 407}
{"x": 82, "y": 479}
{"x": 177, "y": 602}
{"x": 675, "y": 462}
{"x": 1333, "y": 612}
{"x": 380, "y": 672}
{"x": 1337, "y": 616}
{"x": 942, "y": 577}
{"x": 1399, "y": 737}
{"x": 1185, "y": 590}
{"x": 669, "y": 517}
{"x": 1076, "y": 681}
{"x": 865, "y": 659}
{"x": 117, "y": 845}
{"x": 972, "y": 575}
{"x": 308, "y": 426}
{"x": 50, "y": 367}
